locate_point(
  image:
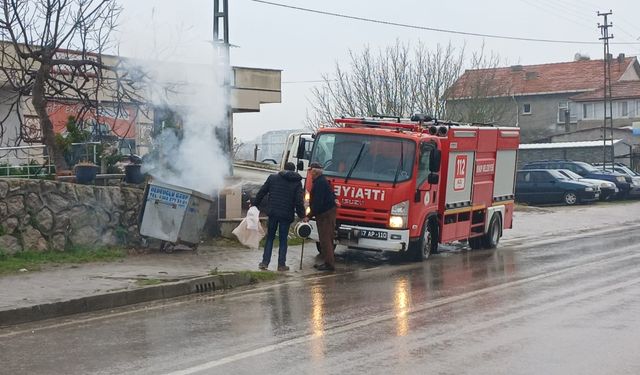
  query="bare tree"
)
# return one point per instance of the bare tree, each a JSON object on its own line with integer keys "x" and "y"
{"x": 237, "y": 145}
{"x": 395, "y": 81}
{"x": 482, "y": 94}
{"x": 400, "y": 81}
{"x": 54, "y": 50}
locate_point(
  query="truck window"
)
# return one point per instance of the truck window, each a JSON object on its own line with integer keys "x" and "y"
{"x": 324, "y": 150}
{"x": 380, "y": 160}
{"x": 423, "y": 166}
{"x": 308, "y": 146}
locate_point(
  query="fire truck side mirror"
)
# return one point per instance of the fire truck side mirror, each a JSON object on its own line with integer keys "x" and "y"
{"x": 433, "y": 178}
{"x": 301, "y": 147}
{"x": 434, "y": 163}
{"x": 300, "y": 165}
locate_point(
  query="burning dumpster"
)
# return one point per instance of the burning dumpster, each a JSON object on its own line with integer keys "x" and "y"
{"x": 173, "y": 214}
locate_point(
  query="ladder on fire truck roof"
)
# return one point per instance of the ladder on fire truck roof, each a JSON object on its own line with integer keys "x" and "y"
{"x": 417, "y": 123}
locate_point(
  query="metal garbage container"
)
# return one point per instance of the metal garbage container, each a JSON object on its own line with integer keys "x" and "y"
{"x": 173, "y": 214}
{"x": 133, "y": 174}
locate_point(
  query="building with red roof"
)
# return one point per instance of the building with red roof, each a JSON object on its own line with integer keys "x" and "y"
{"x": 548, "y": 99}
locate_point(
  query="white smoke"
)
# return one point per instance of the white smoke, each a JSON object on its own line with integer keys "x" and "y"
{"x": 188, "y": 79}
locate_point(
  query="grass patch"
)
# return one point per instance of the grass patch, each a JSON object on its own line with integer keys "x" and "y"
{"x": 148, "y": 282}
{"x": 254, "y": 276}
{"x": 32, "y": 260}
{"x": 293, "y": 241}
{"x": 258, "y": 276}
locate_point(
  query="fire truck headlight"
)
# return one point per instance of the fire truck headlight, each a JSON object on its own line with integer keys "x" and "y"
{"x": 396, "y": 222}
{"x": 307, "y": 211}
{"x": 399, "y": 215}
{"x": 307, "y": 197}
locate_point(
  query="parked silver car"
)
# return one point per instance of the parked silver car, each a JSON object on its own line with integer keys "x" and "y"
{"x": 627, "y": 172}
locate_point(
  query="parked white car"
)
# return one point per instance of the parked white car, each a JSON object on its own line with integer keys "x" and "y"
{"x": 607, "y": 189}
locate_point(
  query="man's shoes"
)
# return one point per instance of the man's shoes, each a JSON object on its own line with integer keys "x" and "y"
{"x": 325, "y": 267}
{"x": 263, "y": 266}
{"x": 317, "y": 265}
{"x": 283, "y": 268}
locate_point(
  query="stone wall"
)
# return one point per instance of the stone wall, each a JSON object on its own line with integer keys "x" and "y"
{"x": 44, "y": 215}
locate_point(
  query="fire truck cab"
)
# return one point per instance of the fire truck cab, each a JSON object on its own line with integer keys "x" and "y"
{"x": 408, "y": 185}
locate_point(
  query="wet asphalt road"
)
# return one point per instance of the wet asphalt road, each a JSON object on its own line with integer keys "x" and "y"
{"x": 554, "y": 307}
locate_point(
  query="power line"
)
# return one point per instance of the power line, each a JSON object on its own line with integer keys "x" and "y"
{"x": 620, "y": 18}
{"x": 586, "y": 14}
{"x": 416, "y": 27}
{"x": 546, "y": 7}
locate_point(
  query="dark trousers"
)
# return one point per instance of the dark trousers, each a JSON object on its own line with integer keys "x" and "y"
{"x": 326, "y": 233}
{"x": 282, "y": 226}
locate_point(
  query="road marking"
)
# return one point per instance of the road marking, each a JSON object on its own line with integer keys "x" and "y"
{"x": 430, "y": 305}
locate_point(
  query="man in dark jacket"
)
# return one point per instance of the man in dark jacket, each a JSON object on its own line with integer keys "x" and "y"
{"x": 323, "y": 207}
{"x": 285, "y": 199}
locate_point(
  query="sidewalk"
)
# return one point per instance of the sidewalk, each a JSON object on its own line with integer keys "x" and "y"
{"x": 35, "y": 292}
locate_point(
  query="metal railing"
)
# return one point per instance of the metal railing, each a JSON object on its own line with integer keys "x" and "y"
{"x": 25, "y": 162}
{"x": 34, "y": 161}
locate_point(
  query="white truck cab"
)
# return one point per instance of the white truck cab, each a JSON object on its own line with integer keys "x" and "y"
{"x": 298, "y": 151}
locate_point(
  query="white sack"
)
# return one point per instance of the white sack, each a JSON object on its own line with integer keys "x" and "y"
{"x": 250, "y": 232}
{"x": 253, "y": 218}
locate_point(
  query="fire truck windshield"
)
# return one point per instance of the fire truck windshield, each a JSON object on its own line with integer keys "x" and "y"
{"x": 379, "y": 157}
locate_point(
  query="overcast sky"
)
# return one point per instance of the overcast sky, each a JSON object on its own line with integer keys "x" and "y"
{"x": 305, "y": 45}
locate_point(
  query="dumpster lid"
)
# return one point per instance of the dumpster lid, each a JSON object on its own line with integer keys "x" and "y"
{"x": 182, "y": 190}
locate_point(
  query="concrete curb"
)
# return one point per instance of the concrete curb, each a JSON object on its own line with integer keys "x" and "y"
{"x": 123, "y": 298}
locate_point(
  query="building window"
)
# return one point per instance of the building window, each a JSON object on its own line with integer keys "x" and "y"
{"x": 526, "y": 109}
{"x": 623, "y": 109}
{"x": 587, "y": 111}
{"x": 567, "y": 109}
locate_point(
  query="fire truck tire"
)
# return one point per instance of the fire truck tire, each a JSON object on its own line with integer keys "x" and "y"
{"x": 476, "y": 243}
{"x": 492, "y": 237}
{"x": 428, "y": 243}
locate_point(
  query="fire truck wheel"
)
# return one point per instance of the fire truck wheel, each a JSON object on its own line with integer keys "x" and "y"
{"x": 492, "y": 237}
{"x": 475, "y": 243}
{"x": 428, "y": 243}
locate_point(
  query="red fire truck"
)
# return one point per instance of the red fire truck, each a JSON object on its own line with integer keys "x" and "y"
{"x": 408, "y": 185}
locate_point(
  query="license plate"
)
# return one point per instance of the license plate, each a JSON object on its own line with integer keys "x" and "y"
{"x": 373, "y": 234}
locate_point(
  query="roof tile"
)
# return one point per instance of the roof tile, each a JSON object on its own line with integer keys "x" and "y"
{"x": 573, "y": 76}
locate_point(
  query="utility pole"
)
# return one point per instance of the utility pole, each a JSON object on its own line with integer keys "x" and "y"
{"x": 221, "y": 41}
{"x": 608, "y": 102}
